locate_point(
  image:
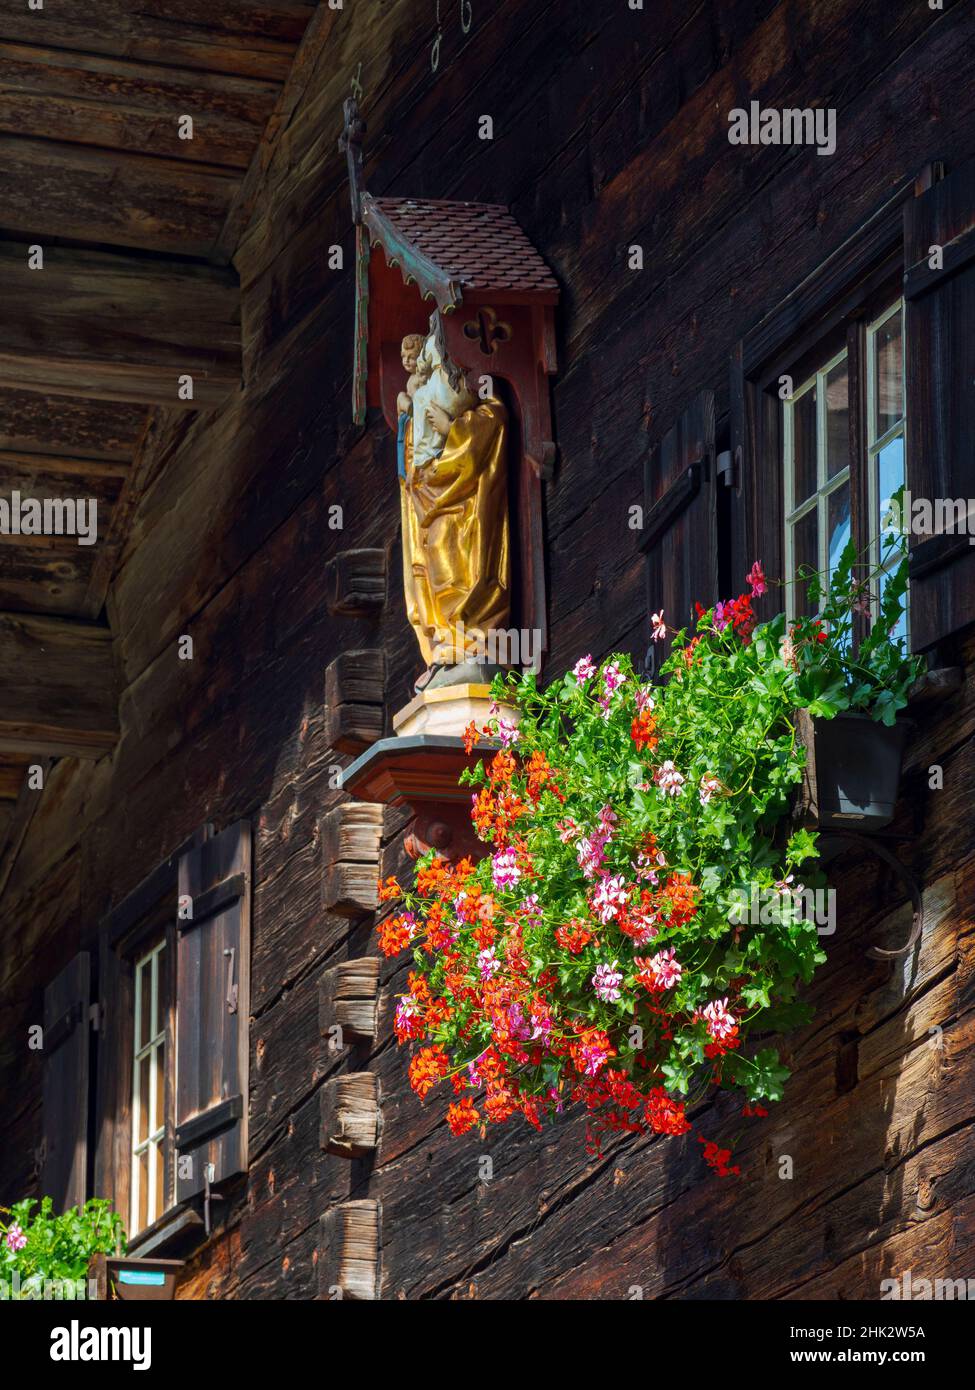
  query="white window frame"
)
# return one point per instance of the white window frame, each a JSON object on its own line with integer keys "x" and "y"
{"x": 156, "y": 1042}
{"x": 877, "y": 443}
{"x": 825, "y": 485}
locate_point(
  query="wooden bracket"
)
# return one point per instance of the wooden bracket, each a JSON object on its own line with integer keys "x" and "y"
{"x": 351, "y": 838}
{"x": 348, "y": 998}
{"x": 348, "y": 1260}
{"x": 350, "y": 1114}
{"x": 356, "y": 583}
{"x": 355, "y": 689}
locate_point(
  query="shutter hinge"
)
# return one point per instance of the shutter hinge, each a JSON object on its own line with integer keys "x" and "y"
{"x": 96, "y": 1016}
{"x": 726, "y": 467}
{"x": 209, "y": 1195}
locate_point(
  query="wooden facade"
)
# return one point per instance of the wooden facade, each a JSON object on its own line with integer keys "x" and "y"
{"x": 260, "y": 521}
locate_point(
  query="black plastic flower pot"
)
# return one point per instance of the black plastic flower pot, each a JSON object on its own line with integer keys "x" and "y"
{"x": 853, "y": 771}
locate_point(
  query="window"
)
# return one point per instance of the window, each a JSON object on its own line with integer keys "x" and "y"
{"x": 173, "y": 985}
{"x": 826, "y": 464}
{"x": 886, "y": 321}
{"x": 816, "y": 436}
{"x": 886, "y": 432}
{"x": 151, "y": 1181}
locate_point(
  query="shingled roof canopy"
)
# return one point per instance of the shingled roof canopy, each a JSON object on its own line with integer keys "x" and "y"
{"x": 449, "y": 248}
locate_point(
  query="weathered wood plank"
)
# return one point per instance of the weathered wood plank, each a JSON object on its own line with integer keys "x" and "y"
{"x": 59, "y": 691}
{"x": 90, "y": 100}
{"x": 256, "y": 38}
{"x": 50, "y": 424}
{"x": 53, "y": 189}
{"x": 119, "y": 328}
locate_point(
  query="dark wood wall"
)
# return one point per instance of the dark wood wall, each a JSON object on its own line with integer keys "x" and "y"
{"x": 610, "y": 129}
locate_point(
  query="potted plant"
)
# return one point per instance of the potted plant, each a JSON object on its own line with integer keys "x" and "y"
{"x": 853, "y": 693}
{"x": 634, "y": 923}
{"x": 43, "y": 1255}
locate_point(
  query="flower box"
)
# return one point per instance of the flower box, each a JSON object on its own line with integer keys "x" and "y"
{"x": 134, "y": 1280}
{"x": 853, "y": 771}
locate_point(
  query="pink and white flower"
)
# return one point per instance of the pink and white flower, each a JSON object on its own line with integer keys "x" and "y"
{"x": 709, "y": 785}
{"x": 658, "y": 628}
{"x": 611, "y": 895}
{"x": 488, "y": 963}
{"x": 584, "y": 668}
{"x": 16, "y": 1240}
{"x": 504, "y": 869}
{"x": 661, "y": 971}
{"x": 607, "y": 981}
{"x": 668, "y": 779}
{"x": 720, "y": 1023}
{"x": 507, "y": 732}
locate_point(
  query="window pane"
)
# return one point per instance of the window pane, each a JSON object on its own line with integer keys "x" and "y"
{"x": 837, "y": 418}
{"x": 890, "y": 475}
{"x": 159, "y": 1057}
{"x": 142, "y": 1119}
{"x": 145, "y": 990}
{"x": 143, "y": 1180}
{"x": 805, "y": 549}
{"x": 837, "y": 523}
{"x": 160, "y": 1205}
{"x": 804, "y": 446}
{"x": 888, "y": 375}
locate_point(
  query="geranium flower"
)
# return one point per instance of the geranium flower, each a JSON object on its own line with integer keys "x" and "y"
{"x": 609, "y": 897}
{"x": 607, "y": 981}
{"x": 668, "y": 779}
{"x": 16, "y": 1240}
{"x": 719, "y": 1022}
{"x": 507, "y": 732}
{"x": 488, "y": 963}
{"x": 709, "y": 785}
{"x": 660, "y": 972}
{"x": 584, "y": 668}
{"x": 504, "y": 869}
{"x": 613, "y": 677}
{"x": 756, "y": 579}
{"x": 658, "y": 628}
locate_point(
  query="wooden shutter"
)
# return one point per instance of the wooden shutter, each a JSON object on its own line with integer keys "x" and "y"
{"x": 212, "y": 1003}
{"x": 940, "y": 381}
{"x": 680, "y": 523}
{"x": 66, "y": 1049}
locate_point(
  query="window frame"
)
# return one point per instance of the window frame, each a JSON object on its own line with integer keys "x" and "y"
{"x": 824, "y": 311}
{"x": 162, "y": 1137}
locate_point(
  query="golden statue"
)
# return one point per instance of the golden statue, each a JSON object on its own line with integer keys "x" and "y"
{"x": 454, "y": 498}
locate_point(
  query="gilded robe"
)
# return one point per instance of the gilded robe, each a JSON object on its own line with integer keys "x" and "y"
{"x": 456, "y": 550}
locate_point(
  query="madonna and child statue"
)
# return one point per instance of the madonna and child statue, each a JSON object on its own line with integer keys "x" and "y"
{"x": 452, "y": 458}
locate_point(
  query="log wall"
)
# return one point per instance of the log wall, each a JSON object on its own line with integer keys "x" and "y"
{"x": 610, "y": 130}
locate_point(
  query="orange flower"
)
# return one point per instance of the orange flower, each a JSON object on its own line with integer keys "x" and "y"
{"x": 389, "y": 890}
{"x": 396, "y": 933}
{"x": 643, "y": 731}
{"x": 462, "y": 1116}
{"x": 426, "y": 1068}
{"x": 470, "y": 736}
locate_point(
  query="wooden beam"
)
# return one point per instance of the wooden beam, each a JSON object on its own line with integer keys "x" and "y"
{"x": 59, "y": 693}
{"x": 24, "y": 807}
{"x": 119, "y": 328}
{"x": 104, "y": 430}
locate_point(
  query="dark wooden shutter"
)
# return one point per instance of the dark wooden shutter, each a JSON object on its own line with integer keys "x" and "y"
{"x": 680, "y": 523}
{"x": 212, "y": 1002}
{"x": 66, "y": 1050}
{"x": 940, "y": 379}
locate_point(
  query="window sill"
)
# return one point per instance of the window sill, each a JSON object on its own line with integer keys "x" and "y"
{"x": 178, "y": 1232}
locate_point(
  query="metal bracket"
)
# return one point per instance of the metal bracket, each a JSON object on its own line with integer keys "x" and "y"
{"x": 209, "y": 1195}
{"x": 909, "y": 881}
